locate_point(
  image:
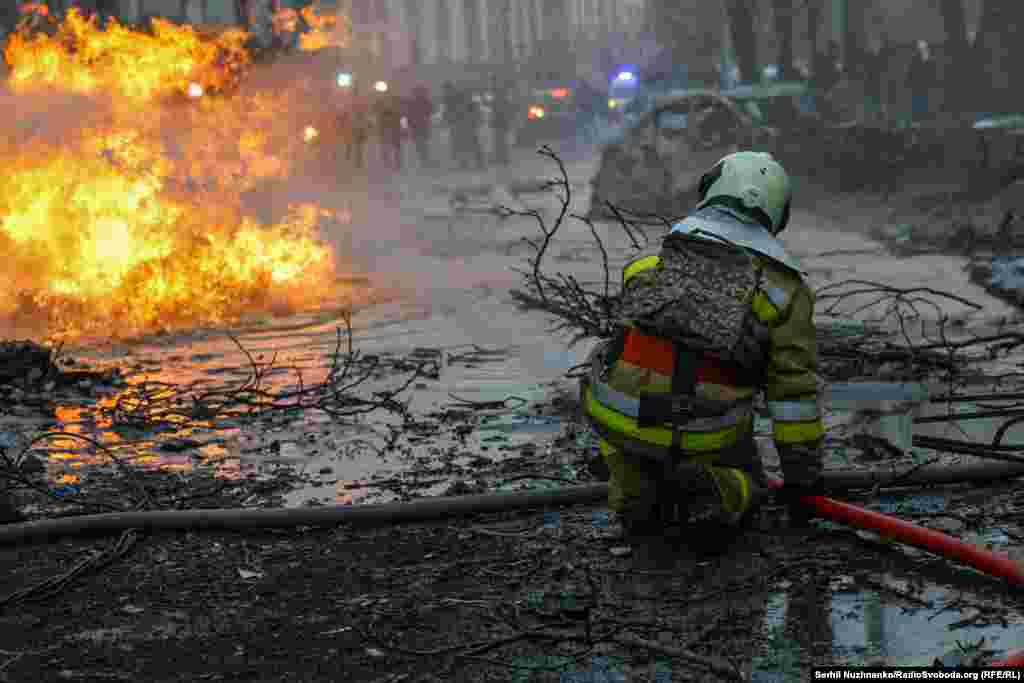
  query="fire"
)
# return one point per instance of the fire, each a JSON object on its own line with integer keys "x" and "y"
{"x": 104, "y": 249}
{"x": 82, "y": 58}
{"x": 326, "y": 28}
{"x": 129, "y": 221}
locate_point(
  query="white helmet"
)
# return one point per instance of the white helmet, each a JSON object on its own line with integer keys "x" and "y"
{"x": 753, "y": 182}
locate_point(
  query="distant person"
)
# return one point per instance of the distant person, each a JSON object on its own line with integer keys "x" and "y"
{"x": 501, "y": 122}
{"x": 921, "y": 79}
{"x": 471, "y": 120}
{"x": 389, "y": 123}
{"x": 874, "y": 66}
{"x": 591, "y": 104}
{"x": 889, "y": 76}
{"x": 825, "y": 75}
{"x": 419, "y": 113}
{"x": 360, "y": 125}
{"x": 451, "y": 103}
{"x": 859, "y": 67}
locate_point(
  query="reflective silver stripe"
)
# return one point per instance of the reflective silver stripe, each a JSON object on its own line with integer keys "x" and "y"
{"x": 793, "y": 411}
{"x": 777, "y": 296}
{"x": 629, "y": 406}
{"x": 616, "y": 400}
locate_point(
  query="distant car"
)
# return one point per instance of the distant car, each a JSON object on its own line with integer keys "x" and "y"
{"x": 549, "y": 113}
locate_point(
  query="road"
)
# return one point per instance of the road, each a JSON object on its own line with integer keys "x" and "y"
{"x": 441, "y": 278}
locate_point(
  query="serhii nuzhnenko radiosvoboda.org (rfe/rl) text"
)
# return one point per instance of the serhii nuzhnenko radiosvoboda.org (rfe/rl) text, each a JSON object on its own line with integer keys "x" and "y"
{"x": 918, "y": 674}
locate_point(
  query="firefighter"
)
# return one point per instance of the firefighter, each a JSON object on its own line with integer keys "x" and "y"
{"x": 745, "y": 200}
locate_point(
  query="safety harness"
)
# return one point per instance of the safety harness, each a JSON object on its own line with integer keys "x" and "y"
{"x": 680, "y": 410}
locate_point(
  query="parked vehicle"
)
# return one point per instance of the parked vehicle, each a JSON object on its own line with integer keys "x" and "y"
{"x": 548, "y": 113}
{"x": 649, "y": 167}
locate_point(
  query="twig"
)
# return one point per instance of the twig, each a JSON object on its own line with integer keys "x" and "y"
{"x": 57, "y": 585}
{"x": 714, "y": 664}
{"x": 487, "y": 405}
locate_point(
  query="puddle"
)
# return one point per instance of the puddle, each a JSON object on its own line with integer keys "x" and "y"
{"x": 342, "y": 460}
{"x": 855, "y": 626}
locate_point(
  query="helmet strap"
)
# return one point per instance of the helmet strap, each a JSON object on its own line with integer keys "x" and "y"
{"x": 784, "y": 220}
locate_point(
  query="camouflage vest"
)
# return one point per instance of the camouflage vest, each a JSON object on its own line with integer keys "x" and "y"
{"x": 699, "y": 295}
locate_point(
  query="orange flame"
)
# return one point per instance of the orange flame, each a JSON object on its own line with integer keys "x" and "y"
{"x": 326, "y": 29}
{"x": 123, "y": 62}
{"x": 129, "y": 222}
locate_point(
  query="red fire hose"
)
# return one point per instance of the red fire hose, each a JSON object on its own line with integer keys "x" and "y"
{"x": 1014, "y": 660}
{"x": 911, "y": 534}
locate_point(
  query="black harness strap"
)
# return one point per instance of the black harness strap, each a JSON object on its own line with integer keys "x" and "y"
{"x": 684, "y": 385}
{"x": 615, "y": 349}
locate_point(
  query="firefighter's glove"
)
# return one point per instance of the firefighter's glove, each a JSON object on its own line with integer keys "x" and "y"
{"x": 751, "y": 351}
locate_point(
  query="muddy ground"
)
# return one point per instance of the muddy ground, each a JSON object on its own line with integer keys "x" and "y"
{"x": 533, "y": 596}
{"x": 530, "y": 596}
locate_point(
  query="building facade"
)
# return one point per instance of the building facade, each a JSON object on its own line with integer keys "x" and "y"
{"x": 474, "y": 38}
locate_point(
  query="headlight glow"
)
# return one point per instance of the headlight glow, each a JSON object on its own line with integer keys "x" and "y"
{"x": 380, "y": 86}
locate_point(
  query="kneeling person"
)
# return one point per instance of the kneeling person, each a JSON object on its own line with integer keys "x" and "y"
{"x": 676, "y": 422}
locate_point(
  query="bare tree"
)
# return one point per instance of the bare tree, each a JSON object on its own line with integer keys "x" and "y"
{"x": 815, "y": 13}
{"x": 744, "y": 39}
{"x": 683, "y": 29}
{"x": 473, "y": 28}
{"x": 999, "y": 53}
{"x": 782, "y": 14}
{"x": 955, "y": 23}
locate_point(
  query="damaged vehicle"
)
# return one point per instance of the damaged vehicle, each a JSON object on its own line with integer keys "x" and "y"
{"x": 645, "y": 169}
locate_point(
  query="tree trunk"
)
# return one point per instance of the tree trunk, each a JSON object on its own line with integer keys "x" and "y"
{"x": 443, "y": 30}
{"x": 744, "y": 41}
{"x": 815, "y": 13}
{"x": 531, "y": 16}
{"x": 960, "y": 58}
{"x": 471, "y": 15}
{"x": 999, "y": 52}
{"x": 782, "y": 13}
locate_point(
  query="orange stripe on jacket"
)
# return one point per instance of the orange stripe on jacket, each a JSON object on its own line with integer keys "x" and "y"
{"x": 658, "y": 354}
{"x": 647, "y": 351}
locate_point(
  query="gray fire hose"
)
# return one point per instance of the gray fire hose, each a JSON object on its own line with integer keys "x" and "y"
{"x": 439, "y": 508}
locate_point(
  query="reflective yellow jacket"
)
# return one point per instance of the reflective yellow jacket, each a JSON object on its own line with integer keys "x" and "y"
{"x": 619, "y": 399}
